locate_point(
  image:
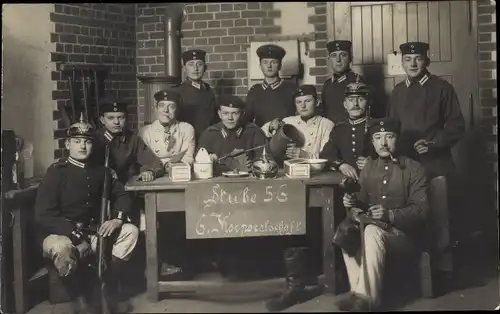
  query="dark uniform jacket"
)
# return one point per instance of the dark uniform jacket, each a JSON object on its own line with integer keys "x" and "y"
{"x": 401, "y": 188}
{"x": 429, "y": 110}
{"x": 128, "y": 153}
{"x": 221, "y": 141}
{"x": 347, "y": 142}
{"x": 198, "y": 105}
{"x": 71, "y": 192}
{"x": 332, "y": 96}
{"x": 267, "y": 102}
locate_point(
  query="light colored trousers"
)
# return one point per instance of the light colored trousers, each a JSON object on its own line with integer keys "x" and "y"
{"x": 377, "y": 243}
{"x": 62, "y": 252}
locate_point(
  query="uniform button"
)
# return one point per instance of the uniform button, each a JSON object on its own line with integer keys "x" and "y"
{"x": 385, "y": 181}
{"x": 354, "y": 129}
{"x": 386, "y": 168}
{"x": 311, "y": 133}
{"x": 88, "y": 194}
{"x": 353, "y": 143}
{"x": 87, "y": 203}
{"x": 353, "y": 135}
{"x": 88, "y": 185}
{"x": 309, "y": 144}
{"x": 384, "y": 197}
{"x": 354, "y": 149}
{"x": 157, "y": 150}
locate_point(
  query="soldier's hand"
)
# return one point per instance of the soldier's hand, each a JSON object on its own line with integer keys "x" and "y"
{"x": 292, "y": 151}
{"x": 213, "y": 157}
{"x": 361, "y": 162}
{"x": 274, "y": 125}
{"x": 349, "y": 171}
{"x": 108, "y": 227}
{"x": 349, "y": 200}
{"x": 421, "y": 146}
{"x": 84, "y": 249}
{"x": 147, "y": 176}
{"x": 378, "y": 212}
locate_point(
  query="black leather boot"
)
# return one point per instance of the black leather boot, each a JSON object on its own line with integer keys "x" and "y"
{"x": 295, "y": 264}
{"x": 118, "y": 298}
{"x": 73, "y": 285}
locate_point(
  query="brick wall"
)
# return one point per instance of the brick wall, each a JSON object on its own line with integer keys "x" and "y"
{"x": 225, "y": 31}
{"x": 488, "y": 78}
{"x": 95, "y": 33}
{"x": 318, "y": 20}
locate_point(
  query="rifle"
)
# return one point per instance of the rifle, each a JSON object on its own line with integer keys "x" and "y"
{"x": 101, "y": 243}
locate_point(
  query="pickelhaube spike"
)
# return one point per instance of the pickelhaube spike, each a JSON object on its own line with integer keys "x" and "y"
{"x": 81, "y": 129}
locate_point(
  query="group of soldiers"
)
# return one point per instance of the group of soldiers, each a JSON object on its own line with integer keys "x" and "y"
{"x": 392, "y": 159}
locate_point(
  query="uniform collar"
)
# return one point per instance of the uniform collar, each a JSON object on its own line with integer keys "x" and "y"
{"x": 109, "y": 137}
{"x": 225, "y": 132}
{"x": 196, "y": 85}
{"x": 310, "y": 121}
{"x": 273, "y": 86}
{"x": 339, "y": 78}
{"x": 158, "y": 127}
{"x": 357, "y": 121}
{"x": 77, "y": 163}
{"x": 422, "y": 80}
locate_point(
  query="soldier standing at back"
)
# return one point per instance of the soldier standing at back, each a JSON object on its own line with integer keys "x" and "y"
{"x": 332, "y": 94}
{"x": 273, "y": 98}
{"x": 199, "y": 106}
{"x": 432, "y": 123}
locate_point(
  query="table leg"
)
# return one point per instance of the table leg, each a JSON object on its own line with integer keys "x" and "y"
{"x": 328, "y": 232}
{"x": 20, "y": 270}
{"x": 151, "y": 247}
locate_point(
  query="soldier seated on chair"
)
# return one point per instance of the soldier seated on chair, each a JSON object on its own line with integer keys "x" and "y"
{"x": 68, "y": 206}
{"x": 167, "y": 137}
{"x": 313, "y": 129}
{"x": 393, "y": 191}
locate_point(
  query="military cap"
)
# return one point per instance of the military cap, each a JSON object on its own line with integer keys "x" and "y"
{"x": 415, "y": 47}
{"x": 193, "y": 54}
{"x": 305, "y": 90}
{"x": 81, "y": 129}
{"x": 357, "y": 88}
{"x": 168, "y": 95}
{"x": 109, "y": 106}
{"x": 232, "y": 102}
{"x": 384, "y": 125}
{"x": 271, "y": 51}
{"x": 339, "y": 45}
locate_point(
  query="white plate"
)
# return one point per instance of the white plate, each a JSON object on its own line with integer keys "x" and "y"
{"x": 231, "y": 174}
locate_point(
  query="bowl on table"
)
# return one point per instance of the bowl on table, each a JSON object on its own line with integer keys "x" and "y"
{"x": 316, "y": 165}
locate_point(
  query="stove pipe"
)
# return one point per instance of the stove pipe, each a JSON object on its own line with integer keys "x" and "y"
{"x": 174, "y": 15}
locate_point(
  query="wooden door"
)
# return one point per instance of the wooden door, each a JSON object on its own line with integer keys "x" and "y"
{"x": 378, "y": 28}
{"x": 450, "y": 27}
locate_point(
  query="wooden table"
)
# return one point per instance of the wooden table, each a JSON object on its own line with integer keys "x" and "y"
{"x": 163, "y": 195}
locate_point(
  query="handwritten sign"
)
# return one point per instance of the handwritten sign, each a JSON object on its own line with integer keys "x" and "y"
{"x": 245, "y": 209}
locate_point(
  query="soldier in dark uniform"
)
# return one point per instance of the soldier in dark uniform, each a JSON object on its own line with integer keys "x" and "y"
{"x": 232, "y": 133}
{"x": 272, "y": 99}
{"x": 332, "y": 94}
{"x": 68, "y": 202}
{"x": 431, "y": 124}
{"x": 348, "y": 147}
{"x": 427, "y": 108}
{"x": 199, "y": 106}
{"x": 393, "y": 191}
{"x": 129, "y": 155}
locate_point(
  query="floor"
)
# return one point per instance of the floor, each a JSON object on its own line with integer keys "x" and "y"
{"x": 477, "y": 289}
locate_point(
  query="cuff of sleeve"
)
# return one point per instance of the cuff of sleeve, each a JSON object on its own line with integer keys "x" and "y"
{"x": 391, "y": 216}
{"x": 122, "y": 216}
{"x": 76, "y": 237}
{"x": 337, "y": 163}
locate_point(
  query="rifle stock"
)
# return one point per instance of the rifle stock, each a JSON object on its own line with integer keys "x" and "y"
{"x": 101, "y": 244}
